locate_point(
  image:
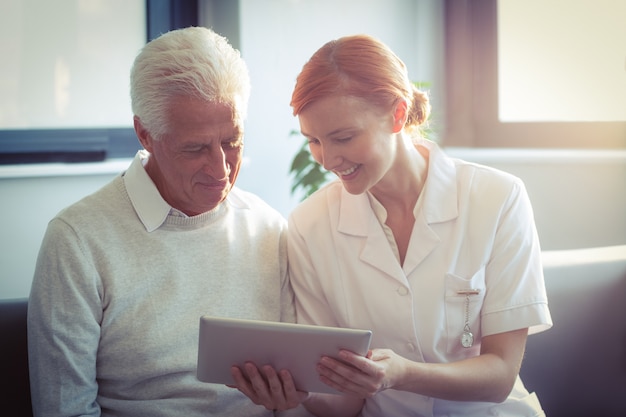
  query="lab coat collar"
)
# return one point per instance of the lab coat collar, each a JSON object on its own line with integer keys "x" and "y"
{"x": 356, "y": 218}
{"x": 437, "y": 204}
{"x": 440, "y": 202}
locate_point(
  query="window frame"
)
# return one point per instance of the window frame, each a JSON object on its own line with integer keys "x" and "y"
{"x": 28, "y": 146}
{"x": 471, "y": 99}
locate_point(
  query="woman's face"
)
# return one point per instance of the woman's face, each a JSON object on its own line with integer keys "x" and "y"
{"x": 351, "y": 138}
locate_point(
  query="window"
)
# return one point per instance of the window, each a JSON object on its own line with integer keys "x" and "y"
{"x": 474, "y": 93}
{"x": 574, "y": 70}
{"x": 64, "y": 83}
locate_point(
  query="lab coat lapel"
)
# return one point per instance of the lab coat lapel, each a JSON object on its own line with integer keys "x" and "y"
{"x": 423, "y": 241}
{"x": 357, "y": 219}
{"x": 438, "y": 204}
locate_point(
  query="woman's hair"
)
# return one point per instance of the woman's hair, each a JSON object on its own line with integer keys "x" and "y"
{"x": 191, "y": 62}
{"x": 363, "y": 67}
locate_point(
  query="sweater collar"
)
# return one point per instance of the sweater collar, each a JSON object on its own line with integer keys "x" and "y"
{"x": 147, "y": 201}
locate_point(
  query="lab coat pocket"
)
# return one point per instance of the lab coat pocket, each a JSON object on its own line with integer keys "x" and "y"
{"x": 464, "y": 297}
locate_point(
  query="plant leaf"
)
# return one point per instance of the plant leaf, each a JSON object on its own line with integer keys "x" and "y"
{"x": 301, "y": 161}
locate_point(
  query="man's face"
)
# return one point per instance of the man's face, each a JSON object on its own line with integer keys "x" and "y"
{"x": 197, "y": 162}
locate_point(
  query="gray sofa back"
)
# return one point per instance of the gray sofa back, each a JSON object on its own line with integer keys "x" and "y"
{"x": 578, "y": 367}
{"x": 14, "y": 380}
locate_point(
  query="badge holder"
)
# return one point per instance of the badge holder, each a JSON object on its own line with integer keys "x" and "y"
{"x": 467, "y": 338}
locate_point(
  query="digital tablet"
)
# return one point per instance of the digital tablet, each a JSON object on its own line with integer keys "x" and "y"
{"x": 225, "y": 342}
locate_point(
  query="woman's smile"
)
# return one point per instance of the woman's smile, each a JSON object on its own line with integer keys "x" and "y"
{"x": 346, "y": 174}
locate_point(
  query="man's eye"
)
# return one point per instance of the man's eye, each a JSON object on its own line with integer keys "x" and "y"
{"x": 231, "y": 144}
{"x": 195, "y": 149}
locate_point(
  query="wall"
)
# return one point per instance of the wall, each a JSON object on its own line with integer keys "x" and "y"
{"x": 578, "y": 196}
{"x": 31, "y": 196}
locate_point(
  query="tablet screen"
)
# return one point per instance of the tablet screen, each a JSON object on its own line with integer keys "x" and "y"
{"x": 296, "y": 347}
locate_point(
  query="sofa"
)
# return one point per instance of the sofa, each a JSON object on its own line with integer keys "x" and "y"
{"x": 577, "y": 368}
{"x": 14, "y": 380}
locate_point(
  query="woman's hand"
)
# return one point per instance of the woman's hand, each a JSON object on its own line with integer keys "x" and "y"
{"x": 362, "y": 376}
{"x": 488, "y": 377}
{"x": 266, "y": 387}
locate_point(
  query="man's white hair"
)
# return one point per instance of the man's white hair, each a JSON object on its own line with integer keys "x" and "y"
{"x": 192, "y": 62}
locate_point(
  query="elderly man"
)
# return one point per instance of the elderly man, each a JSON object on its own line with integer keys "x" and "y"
{"x": 124, "y": 275}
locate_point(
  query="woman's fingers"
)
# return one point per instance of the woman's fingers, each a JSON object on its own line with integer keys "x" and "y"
{"x": 345, "y": 378}
{"x": 352, "y": 374}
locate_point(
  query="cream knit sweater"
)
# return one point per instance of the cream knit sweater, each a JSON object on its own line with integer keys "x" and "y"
{"x": 114, "y": 308}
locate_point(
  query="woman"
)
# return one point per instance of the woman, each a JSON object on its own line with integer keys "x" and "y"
{"x": 437, "y": 256}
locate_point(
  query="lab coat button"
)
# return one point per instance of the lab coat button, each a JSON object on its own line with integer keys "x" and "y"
{"x": 403, "y": 291}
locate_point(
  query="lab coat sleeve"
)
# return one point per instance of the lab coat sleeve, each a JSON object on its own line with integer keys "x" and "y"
{"x": 516, "y": 297}
{"x": 311, "y": 305}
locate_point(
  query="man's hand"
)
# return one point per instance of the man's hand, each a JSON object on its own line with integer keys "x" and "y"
{"x": 266, "y": 387}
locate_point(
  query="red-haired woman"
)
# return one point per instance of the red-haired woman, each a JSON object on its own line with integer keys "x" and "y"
{"x": 437, "y": 256}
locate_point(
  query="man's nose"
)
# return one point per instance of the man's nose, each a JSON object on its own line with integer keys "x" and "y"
{"x": 215, "y": 163}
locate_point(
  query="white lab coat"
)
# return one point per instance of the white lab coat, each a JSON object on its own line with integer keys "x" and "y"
{"x": 474, "y": 228}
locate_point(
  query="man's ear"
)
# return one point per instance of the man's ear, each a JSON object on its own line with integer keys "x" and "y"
{"x": 142, "y": 134}
{"x": 400, "y": 115}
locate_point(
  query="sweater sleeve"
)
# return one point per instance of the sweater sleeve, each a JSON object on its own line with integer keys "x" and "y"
{"x": 63, "y": 341}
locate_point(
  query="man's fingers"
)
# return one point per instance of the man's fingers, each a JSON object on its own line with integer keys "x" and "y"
{"x": 266, "y": 387}
{"x": 292, "y": 395}
{"x": 276, "y": 393}
{"x": 244, "y": 385}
